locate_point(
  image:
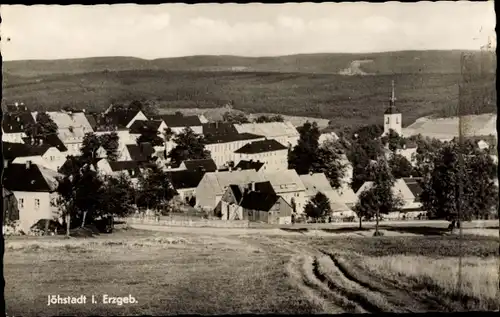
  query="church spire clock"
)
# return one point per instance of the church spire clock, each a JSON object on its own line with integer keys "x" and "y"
{"x": 392, "y": 117}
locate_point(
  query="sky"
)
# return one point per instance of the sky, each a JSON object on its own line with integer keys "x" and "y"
{"x": 173, "y": 30}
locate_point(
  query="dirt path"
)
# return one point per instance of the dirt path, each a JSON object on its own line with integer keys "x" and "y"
{"x": 328, "y": 280}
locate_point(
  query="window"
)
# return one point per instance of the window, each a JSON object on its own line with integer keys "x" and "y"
{"x": 37, "y": 203}
{"x": 20, "y": 202}
{"x": 387, "y": 120}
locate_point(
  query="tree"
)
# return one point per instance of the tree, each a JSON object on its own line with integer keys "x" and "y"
{"x": 150, "y": 134}
{"x": 369, "y": 132}
{"x": 427, "y": 149}
{"x": 148, "y": 107}
{"x": 318, "y": 208}
{"x": 361, "y": 152}
{"x": 303, "y": 155}
{"x": 380, "y": 197}
{"x": 393, "y": 141}
{"x": 400, "y": 166}
{"x": 189, "y": 146}
{"x": 330, "y": 161}
{"x": 155, "y": 190}
{"x": 44, "y": 126}
{"x": 118, "y": 196}
{"x": 451, "y": 187}
{"x": 91, "y": 143}
{"x": 264, "y": 118}
{"x": 235, "y": 117}
{"x": 366, "y": 206}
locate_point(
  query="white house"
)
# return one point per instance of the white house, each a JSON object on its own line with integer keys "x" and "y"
{"x": 401, "y": 189}
{"x": 42, "y": 155}
{"x": 35, "y": 190}
{"x": 272, "y": 153}
{"x": 288, "y": 185}
{"x": 14, "y": 125}
{"x": 318, "y": 182}
{"x": 222, "y": 146}
{"x": 178, "y": 122}
{"x": 72, "y": 127}
{"x": 213, "y": 185}
{"x": 117, "y": 168}
{"x": 283, "y": 132}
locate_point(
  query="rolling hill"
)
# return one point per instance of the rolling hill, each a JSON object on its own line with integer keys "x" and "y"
{"x": 349, "y": 89}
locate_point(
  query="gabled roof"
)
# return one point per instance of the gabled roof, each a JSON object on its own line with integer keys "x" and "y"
{"x": 16, "y": 122}
{"x": 285, "y": 181}
{"x": 179, "y": 121}
{"x": 15, "y": 150}
{"x": 13, "y": 108}
{"x": 246, "y": 165}
{"x": 399, "y": 188}
{"x": 259, "y": 201}
{"x": 237, "y": 192}
{"x": 261, "y": 147}
{"x": 65, "y": 120}
{"x": 52, "y": 140}
{"x": 120, "y": 117}
{"x": 140, "y": 153}
{"x": 130, "y": 166}
{"x": 17, "y": 177}
{"x": 92, "y": 119}
{"x": 207, "y": 165}
{"x": 269, "y": 129}
{"x": 220, "y": 181}
{"x": 185, "y": 179}
{"x": 346, "y": 194}
{"x": 264, "y": 187}
{"x": 139, "y": 126}
{"x": 315, "y": 182}
{"x": 414, "y": 186}
{"x": 392, "y": 110}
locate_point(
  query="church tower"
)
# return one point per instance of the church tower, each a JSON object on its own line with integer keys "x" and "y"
{"x": 392, "y": 117}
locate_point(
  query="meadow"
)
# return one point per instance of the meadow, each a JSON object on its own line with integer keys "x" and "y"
{"x": 218, "y": 271}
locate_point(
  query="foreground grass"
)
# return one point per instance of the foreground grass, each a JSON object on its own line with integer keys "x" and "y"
{"x": 166, "y": 274}
{"x": 479, "y": 289}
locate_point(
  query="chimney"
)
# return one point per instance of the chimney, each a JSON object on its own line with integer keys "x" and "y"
{"x": 28, "y": 165}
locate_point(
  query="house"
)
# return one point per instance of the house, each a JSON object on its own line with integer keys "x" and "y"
{"x": 223, "y": 145}
{"x": 206, "y": 165}
{"x": 288, "y": 185}
{"x": 347, "y": 195}
{"x": 246, "y": 165}
{"x": 283, "y": 132}
{"x": 117, "y": 168}
{"x": 256, "y": 201}
{"x": 178, "y": 122}
{"x": 139, "y": 126}
{"x": 140, "y": 153}
{"x": 213, "y": 185}
{"x": 272, "y": 153}
{"x": 42, "y": 155}
{"x": 401, "y": 189}
{"x": 122, "y": 118}
{"x": 34, "y": 187}
{"x": 17, "y": 107}
{"x": 317, "y": 182}
{"x": 51, "y": 139}
{"x": 14, "y": 126}
{"x": 185, "y": 182}
{"x": 72, "y": 127}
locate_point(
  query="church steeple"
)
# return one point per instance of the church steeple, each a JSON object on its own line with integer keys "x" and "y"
{"x": 392, "y": 102}
{"x": 392, "y": 117}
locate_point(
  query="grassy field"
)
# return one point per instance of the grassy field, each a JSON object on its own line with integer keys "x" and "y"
{"x": 221, "y": 271}
{"x": 426, "y": 84}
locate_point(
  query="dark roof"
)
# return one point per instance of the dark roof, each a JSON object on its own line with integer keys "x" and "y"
{"x": 219, "y": 128}
{"x": 52, "y": 140}
{"x": 391, "y": 110}
{"x": 130, "y": 166}
{"x": 120, "y": 117}
{"x": 264, "y": 187}
{"x": 185, "y": 179}
{"x": 140, "y": 153}
{"x": 140, "y": 125}
{"x": 224, "y": 138}
{"x": 92, "y": 119}
{"x": 261, "y": 147}
{"x": 14, "y": 150}
{"x": 17, "y": 177}
{"x": 258, "y": 201}
{"x": 17, "y": 108}
{"x": 16, "y": 123}
{"x": 414, "y": 186}
{"x": 237, "y": 192}
{"x": 179, "y": 121}
{"x": 207, "y": 165}
{"x": 248, "y": 165}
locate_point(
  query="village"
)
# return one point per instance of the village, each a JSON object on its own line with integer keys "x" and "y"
{"x": 234, "y": 172}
